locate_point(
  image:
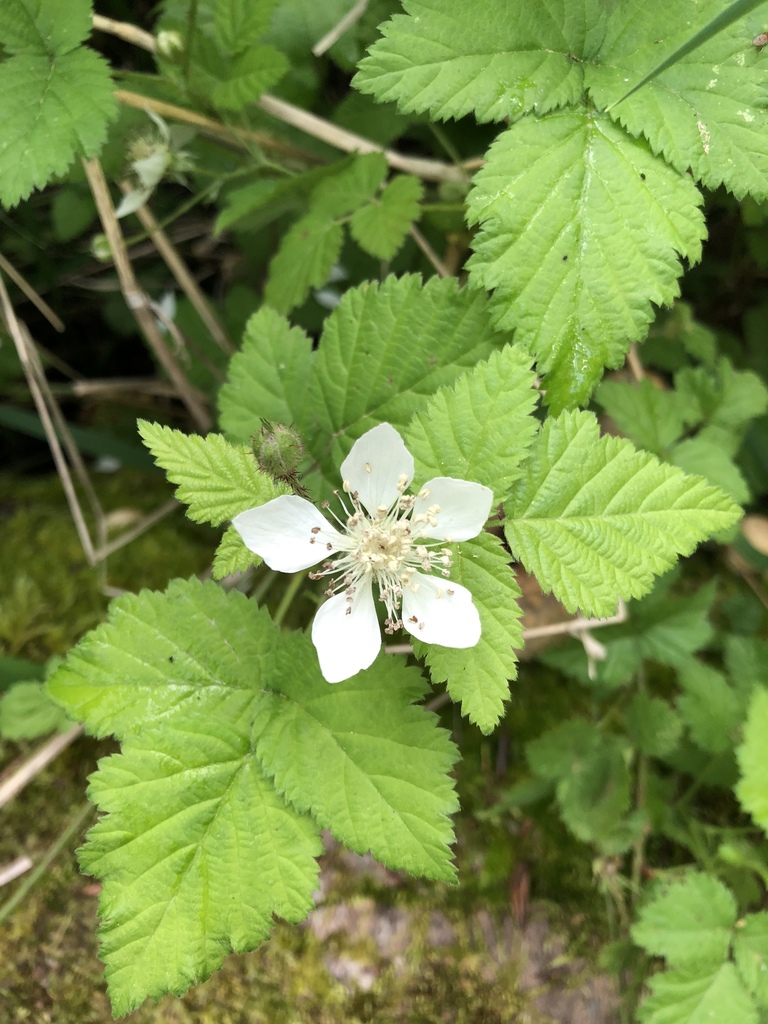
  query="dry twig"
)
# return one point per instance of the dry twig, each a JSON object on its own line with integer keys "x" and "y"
{"x": 338, "y": 30}
{"x": 47, "y": 752}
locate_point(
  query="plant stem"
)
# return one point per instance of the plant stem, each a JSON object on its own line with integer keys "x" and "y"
{"x": 287, "y": 599}
{"x": 53, "y": 851}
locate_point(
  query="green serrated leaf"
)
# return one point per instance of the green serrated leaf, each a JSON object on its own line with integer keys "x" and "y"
{"x": 304, "y": 260}
{"x": 480, "y": 428}
{"x": 250, "y": 74}
{"x": 452, "y": 59}
{"x": 479, "y": 676}
{"x": 355, "y": 184}
{"x": 712, "y": 710}
{"x": 232, "y": 556}
{"x": 378, "y": 780}
{"x": 380, "y": 228}
{"x": 700, "y": 456}
{"x": 268, "y": 378}
{"x": 649, "y": 417}
{"x": 43, "y": 26}
{"x": 707, "y": 113}
{"x": 51, "y": 111}
{"x": 196, "y": 852}
{"x": 26, "y": 712}
{"x": 652, "y": 725}
{"x": 752, "y": 789}
{"x": 690, "y": 923}
{"x": 239, "y": 24}
{"x": 593, "y": 785}
{"x": 697, "y": 997}
{"x": 724, "y": 397}
{"x": 750, "y": 951}
{"x": 581, "y": 230}
{"x": 595, "y": 520}
{"x": 362, "y": 378}
{"x": 216, "y": 479}
{"x": 191, "y": 649}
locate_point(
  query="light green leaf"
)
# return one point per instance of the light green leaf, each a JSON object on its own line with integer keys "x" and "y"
{"x": 191, "y": 650}
{"x": 700, "y": 456}
{"x": 304, "y": 260}
{"x": 750, "y": 951}
{"x": 652, "y": 725}
{"x": 197, "y": 853}
{"x": 232, "y": 556}
{"x": 752, "y": 789}
{"x": 43, "y": 26}
{"x": 581, "y": 230}
{"x": 649, "y": 417}
{"x": 593, "y": 785}
{"x": 690, "y": 923}
{"x": 361, "y": 759}
{"x": 707, "y": 112}
{"x": 595, "y": 520}
{"x": 268, "y": 378}
{"x": 451, "y": 59}
{"x": 381, "y": 227}
{"x": 712, "y": 710}
{"x": 724, "y": 397}
{"x": 354, "y": 185}
{"x": 697, "y": 997}
{"x": 479, "y": 676}
{"x": 51, "y": 111}
{"x": 26, "y": 712}
{"x": 249, "y": 75}
{"x": 424, "y": 336}
{"x": 239, "y": 24}
{"x": 480, "y": 428}
{"x": 216, "y": 479}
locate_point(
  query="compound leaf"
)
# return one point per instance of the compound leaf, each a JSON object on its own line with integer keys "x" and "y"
{"x": 384, "y": 349}
{"x": 215, "y": 478}
{"x": 709, "y": 706}
{"x": 378, "y": 779}
{"x": 581, "y": 230}
{"x": 752, "y": 789}
{"x": 479, "y": 676}
{"x": 196, "y": 852}
{"x": 304, "y": 260}
{"x": 697, "y": 997}
{"x": 650, "y": 417}
{"x": 51, "y": 109}
{"x": 239, "y": 24}
{"x": 652, "y": 725}
{"x": 351, "y": 187}
{"x": 594, "y": 519}
{"x": 250, "y": 74}
{"x": 381, "y": 227}
{"x": 707, "y": 112}
{"x": 267, "y": 378}
{"x": 690, "y": 923}
{"x": 452, "y": 59}
{"x": 481, "y": 427}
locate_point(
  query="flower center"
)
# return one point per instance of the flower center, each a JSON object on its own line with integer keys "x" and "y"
{"x": 390, "y": 547}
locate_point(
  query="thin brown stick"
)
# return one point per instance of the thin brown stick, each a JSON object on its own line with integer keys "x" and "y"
{"x": 104, "y": 388}
{"x": 635, "y": 365}
{"x": 27, "y": 357}
{"x": 136, "y": 531}
{"x": 126, "y": 31}
{"x": 238, "y": 138}
{"x": 338, "y": 30}
{"x": 184, "y": 278}
{"x": 138, "y": 302}
{"x": 429, "y": 252}
{"x": 49, "y": 751}
{"x": 34, "y": 297}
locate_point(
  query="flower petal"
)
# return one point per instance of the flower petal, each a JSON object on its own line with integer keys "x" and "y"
{"x": 288, "y": 532}
{"x": 439, "y": 611}
{"x": 375, "y": 465}
{"x": 464, "y": 508}
{"x": 346, "y": 633}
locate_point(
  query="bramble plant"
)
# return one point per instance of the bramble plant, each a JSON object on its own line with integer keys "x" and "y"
{"x": 412, "y": 441}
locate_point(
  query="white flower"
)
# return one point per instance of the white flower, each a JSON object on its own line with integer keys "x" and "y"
{"x": 387, "y": 538}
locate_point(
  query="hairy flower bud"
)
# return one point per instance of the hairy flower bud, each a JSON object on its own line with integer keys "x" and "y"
{"x": 278, "y": 450}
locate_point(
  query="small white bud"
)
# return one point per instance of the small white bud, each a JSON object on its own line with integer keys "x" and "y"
{"x": 169, "y": 44}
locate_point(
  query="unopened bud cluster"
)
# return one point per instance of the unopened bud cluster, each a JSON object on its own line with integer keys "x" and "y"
{"x": 279, "y": 450}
